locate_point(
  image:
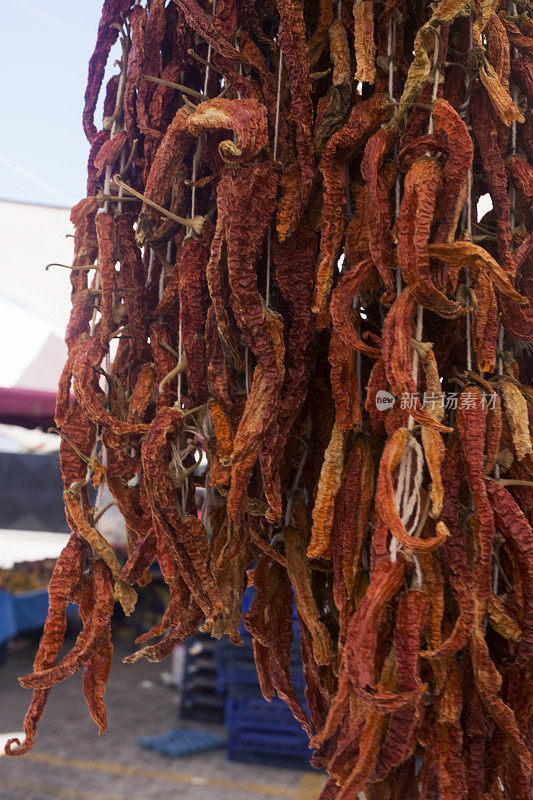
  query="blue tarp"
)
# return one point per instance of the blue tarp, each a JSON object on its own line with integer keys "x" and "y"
{"x": 179, "y": 742}
{"x": 22, "y": 612}
{"x": 8, "y": 625}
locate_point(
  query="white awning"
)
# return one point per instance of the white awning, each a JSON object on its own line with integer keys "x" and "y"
{"x": 34, "y": 302}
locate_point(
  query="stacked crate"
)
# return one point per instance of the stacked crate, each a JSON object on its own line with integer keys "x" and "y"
{"x": 258, "y": 731}
{"x": 201, "y": 699}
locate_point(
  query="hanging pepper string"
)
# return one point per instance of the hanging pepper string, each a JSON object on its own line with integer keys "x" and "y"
{"x": 420, "y": 310}
{"x": 176, "y": 456}
{"x": 384, "y": 530}
{"x": 107, "y": 190}
{"x": 407, "y": 495}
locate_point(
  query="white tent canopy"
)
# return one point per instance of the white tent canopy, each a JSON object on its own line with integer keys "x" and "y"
{"x": 34, "y": 303}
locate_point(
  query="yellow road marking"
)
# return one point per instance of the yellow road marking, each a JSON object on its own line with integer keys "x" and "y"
{"x": 310, "y": 786}
{"x": 306, "y": 790}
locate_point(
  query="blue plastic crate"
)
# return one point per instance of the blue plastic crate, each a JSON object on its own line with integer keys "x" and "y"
{"x": 225, "y": 648}
{"x": 255, "y": 713}
{"x": 246, "y": 675}
{"x": 249, "y": 745}
{"x": 245, "y": 756}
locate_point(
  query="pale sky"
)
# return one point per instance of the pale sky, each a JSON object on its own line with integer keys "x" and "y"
{"x": 44, "y": 52}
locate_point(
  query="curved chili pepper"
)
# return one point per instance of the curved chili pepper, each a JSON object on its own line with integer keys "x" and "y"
{"x": 292, "y": 39}
{"x": 397, "y": 357}
{"x": 194, "y": 300}
{"x": 386, "y": 504}
{"x": 400, "y": 737}
{"x": 107, "y": 36}
{"x": 364, "y": 119}
{"x": 89, "y": 396}
{"x": 494, "y": 170}
{"x": 300, "y": 577}
{"x": 378, "y": 148}
{"x": 246, "y": 118}
{"x": 126, "y": 595}
{"x": 166, "y": 168}
{"x": 344, "y": 386}
{"x": 294, "y": 262}
{"x": 423, "y": 183}
{"x": 185, "y": 539}
{"x": 87, "y": 641}
{"x": 65, "y": 577}
{"x": 341, "y": 306}
{"x": 338, "y": 100}
{"x": 449, "y": 124}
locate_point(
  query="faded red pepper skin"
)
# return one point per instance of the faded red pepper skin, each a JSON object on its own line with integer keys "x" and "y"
{"x": 292, "y": 38}
{"x": 294, "y": 261}
{"x": 67, "y": 573}
{"x": 386, "y": 503}
{"x": 512, "y": 523}
{"x": 247, "y": 119}
{"x": 400, "y": 738}
{"x": 378, "y": 148}
{"x": 194, "y": 301}
{"x": 87, "y": 641}
{"x": 187, "y": 546}
{"x": 364, "y": 119}
{"x": 494, "y": 168}
{"x": 471, "y": 422}
{"x": 344, "y": 386}
{"x": 423, "y": 183}
{"x": 340, "y": 307}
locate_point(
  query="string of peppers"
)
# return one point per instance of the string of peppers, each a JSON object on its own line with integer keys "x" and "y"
{"x": 296, "y": 267}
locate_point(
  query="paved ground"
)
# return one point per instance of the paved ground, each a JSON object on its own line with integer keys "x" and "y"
{"x": 70, "y": 762}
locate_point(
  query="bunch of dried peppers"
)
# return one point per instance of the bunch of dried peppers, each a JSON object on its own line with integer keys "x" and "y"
{"x": 283, "y": 259}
